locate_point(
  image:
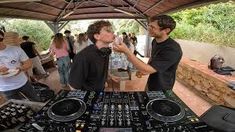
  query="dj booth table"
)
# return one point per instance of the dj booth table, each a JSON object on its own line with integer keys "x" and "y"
{"x": 153, "y": 111}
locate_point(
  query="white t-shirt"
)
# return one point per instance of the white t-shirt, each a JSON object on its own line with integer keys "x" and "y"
{"x": 11, "y": 57}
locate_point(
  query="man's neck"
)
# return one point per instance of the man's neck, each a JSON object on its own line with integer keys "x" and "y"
{"x": 162, "y": 39}
{"x": 101, "y": 44}
{"x": 2, "y": 46}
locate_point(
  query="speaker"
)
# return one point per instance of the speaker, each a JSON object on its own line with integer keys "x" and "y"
{"x": 220, "y": 117}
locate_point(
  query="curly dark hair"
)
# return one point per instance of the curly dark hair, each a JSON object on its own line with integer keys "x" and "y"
{"x": 95, "y": 29}
{"x": 164, "y": 21}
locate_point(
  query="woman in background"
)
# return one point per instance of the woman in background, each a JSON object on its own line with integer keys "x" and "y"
{"x": 82, "y": 42}
{"x": 60, "y": 50}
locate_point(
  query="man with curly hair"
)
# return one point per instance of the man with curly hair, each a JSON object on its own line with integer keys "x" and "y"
{"x": 90, "y": 67}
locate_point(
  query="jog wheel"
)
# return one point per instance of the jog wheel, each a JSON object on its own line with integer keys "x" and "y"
{"x": 67, "y": 109}
{"x": 165, "y": 110}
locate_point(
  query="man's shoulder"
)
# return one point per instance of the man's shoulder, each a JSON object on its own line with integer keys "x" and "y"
{"x": 87, "y": 51}
{"x": 11, "y": 48}
{"x": 173, "y": 44}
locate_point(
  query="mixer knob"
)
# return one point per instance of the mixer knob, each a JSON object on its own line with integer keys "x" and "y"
{"x": 139, "y": 129}
{"x": 168, "y": 130}
{"x": 128, "y": 122}
{"x": 179, "y": 128}
{"x": 105, "y": 107}
{"x": 82, "y": 125}
{"x": 102, "y": 122}
{"x": 111, "y": 123}
{"x": 71, "y": 129}
{"x": 101, "y": 93}
{"x": 112, "y": 107}
{"x": 120, "y": 123}
{"x": 119, "y": 107}
{"x": 77, "y": 124}
{"x": 173, "y": 129}
{"x": 126, "y": 107}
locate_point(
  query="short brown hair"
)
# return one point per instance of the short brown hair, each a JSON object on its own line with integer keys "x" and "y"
{"x": 164, "y": 21}
{"x": 95, "y": 29}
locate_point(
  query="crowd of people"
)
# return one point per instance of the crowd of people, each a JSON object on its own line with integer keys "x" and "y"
{"x": 83, "y": 61}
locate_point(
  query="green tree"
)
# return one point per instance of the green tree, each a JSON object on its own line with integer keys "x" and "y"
{"x": 214, "y": 24}
{"x": 127, "y": 25}
{"x": 38, "y": 31}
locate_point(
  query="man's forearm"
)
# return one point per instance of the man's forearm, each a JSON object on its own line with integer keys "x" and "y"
{"x": 26, "y": 65}
{"x": 140, "y": 65}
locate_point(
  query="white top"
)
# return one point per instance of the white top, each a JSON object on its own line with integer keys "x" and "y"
{"x": 11, "y": 57}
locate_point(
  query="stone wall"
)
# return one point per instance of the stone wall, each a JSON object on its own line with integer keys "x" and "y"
{"x": 213, "y": 86}
{"x": 204, "y": 51}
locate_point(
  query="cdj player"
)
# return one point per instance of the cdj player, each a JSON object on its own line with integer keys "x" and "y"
{"x": 83, "y": 111}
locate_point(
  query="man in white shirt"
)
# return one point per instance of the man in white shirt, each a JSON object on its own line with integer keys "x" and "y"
{"x": 13, "y": 63}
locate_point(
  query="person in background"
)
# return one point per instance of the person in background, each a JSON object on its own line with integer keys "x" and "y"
{"x": 126, "y": 39}
{"x": 90, "y": 68}
{"x": 165, "y": 56}
{"x": 134, "y": 38}
{"x": 70, "y": 42}
{"x": 59, "y": 48}
{"x": 32, "y": 53}
{"x": 134, "y": 41}
{"x": 81, "y": 42}
{"x": 13, "y": 63}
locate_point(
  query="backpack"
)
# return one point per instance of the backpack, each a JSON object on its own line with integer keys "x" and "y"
{"x": 216, "y": 62}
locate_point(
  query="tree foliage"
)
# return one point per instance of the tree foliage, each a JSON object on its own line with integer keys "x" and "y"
{"x": 126, "y": 25}
{"x": 214, "y": 23}
{"x": 38, "y": 31}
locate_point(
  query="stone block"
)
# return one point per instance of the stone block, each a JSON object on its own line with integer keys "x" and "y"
{"x": 217, "y": 93}
{"x": 213, "y": 97}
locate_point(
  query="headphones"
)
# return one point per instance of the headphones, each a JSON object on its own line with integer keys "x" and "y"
{"x": 105, "y": 51}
